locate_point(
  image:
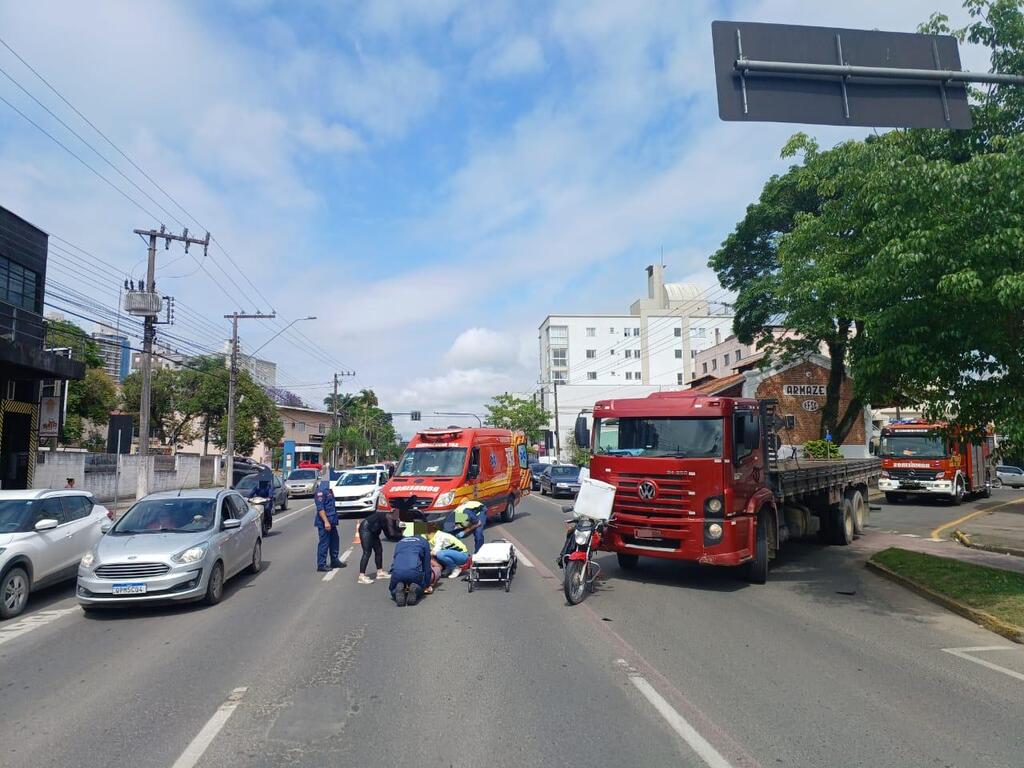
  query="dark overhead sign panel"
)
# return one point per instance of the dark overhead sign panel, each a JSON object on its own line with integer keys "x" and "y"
{"x": 826, "y": 76}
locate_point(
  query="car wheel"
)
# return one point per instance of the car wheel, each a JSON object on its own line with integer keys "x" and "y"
{"x": 997, "y": 483}
{"x": 284, "y": 504}
{"x": 256, "y": 565}
{"x": 14, "y": 589}
{"x": 542, "y": 491}
{"x": 215, "y": 586}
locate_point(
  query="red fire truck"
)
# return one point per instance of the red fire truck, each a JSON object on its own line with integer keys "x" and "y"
{"x": 920, "y": 457}
{"x": 697, "y": 478}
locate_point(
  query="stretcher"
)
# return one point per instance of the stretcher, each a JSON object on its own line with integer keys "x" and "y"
{"x": 495, "y": 562}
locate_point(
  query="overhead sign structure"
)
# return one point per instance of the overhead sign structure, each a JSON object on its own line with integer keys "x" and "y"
{"x": 831, "y": 76}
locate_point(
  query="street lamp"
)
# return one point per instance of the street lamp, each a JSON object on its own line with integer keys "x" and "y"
{"x": 293, "y": 322}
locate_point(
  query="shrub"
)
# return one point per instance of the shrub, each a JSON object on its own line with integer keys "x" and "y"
{"x": 821, "y": 449}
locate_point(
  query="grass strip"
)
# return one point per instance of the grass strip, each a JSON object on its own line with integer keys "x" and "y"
{"x": 994, "y": 591}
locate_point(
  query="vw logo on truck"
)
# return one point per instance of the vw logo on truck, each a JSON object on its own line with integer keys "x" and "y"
{"x": 647, "y": 490}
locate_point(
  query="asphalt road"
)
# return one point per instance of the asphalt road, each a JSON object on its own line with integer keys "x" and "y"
{"x": 671, "y": 665}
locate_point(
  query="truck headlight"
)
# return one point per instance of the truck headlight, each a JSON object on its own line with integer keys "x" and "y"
{"x": 940, "y": 475}
{"x": 714, "y": 531}
{"x": 192, "y": 554}
{"x": 445, "y": 499}
{"x": 884, "y": 474}
{"x": 713, "y": 507}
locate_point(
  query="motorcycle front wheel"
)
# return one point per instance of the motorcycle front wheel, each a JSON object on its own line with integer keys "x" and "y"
{"x": 575, "y": 581}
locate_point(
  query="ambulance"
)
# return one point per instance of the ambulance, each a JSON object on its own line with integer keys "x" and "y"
{"x": 442, "y": 468}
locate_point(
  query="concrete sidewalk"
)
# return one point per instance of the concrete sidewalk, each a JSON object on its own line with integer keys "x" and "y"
{"x": 876, "y": 541}
{"x": 999, "y": 530}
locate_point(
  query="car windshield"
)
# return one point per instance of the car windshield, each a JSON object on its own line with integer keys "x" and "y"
{"x": 171, "y": 515}
{"x": 336, "y": 475}
{"x": 15, "y": 515}
{"x": 565, "y": 473}
{"x": 359, "y": 478}
{"x": 433, "y": 462}
{"x": 912, "y": 446}
{"x": 302, "y": 474}
{"x": 662, "y": 437}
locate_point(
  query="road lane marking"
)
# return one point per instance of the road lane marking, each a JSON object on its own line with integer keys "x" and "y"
{"x": 282, "y": 518}
{"x": 194, "y": 751}
{"x": 965, "y": 653}
{"x": 345, "y": 555}
{"x": 523, "y": 559}
{"x": 711, "y": 756}
{"x": 34, "y": 621}
{"x": 334, "y": 571}
{"x": 937, "y": 533}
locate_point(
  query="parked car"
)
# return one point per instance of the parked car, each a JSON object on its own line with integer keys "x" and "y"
{"x": 43, "y": 535}
{"x": 356, "y": 493}
{"x": 536, "y": 468}
{"x": 301, "y": 482}
{"x": 373, "y": 466}
{"x": 1011, "y": 476}
{"x": 173, "y": 547}
{"x": 336, "y": 475}
{"x": 560, "y": 479}
{"x": 247, "y": 485}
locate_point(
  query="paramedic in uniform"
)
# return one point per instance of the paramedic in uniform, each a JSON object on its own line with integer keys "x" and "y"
{"x": 471, "y": 517}
{"x": 326, "y": 522}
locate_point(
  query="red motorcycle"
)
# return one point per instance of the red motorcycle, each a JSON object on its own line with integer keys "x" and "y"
{"x": 577, "y": 561}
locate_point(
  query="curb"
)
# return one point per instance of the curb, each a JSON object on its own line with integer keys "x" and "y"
{"x": 964, "y": 539}
{"x": 986, "y": 620}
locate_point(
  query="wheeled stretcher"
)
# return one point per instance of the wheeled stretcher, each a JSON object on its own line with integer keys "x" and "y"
{"x": 494, "y": 562}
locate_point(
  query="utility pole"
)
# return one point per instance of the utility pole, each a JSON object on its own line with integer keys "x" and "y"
{"x": 148, "y": 303}
{"x": 334, "y": 418}
{"x": 234, "y": 317}
{"x": 558, "y": 437}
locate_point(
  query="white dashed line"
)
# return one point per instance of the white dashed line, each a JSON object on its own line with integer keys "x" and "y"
{"x": 523, "y": 559}
{"x": 965, "y": 653}
{"x": 194, "y": 751}
{"x": 34, "y": 621}
{"x": 334, "y": 571}
{"x": 711, "y": 756}
{"x": 345, "y": 555}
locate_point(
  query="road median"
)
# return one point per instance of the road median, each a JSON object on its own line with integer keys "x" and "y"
{"x": 990, "y": 597}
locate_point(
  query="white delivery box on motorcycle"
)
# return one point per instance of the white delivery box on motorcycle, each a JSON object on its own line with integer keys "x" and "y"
{"x": 594, "y": 500}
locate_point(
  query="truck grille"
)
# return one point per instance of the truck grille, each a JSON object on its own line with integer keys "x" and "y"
{"x": 669, "y": 508}
{"x": 913, "y": 474}
{"x": 132, "y": 570}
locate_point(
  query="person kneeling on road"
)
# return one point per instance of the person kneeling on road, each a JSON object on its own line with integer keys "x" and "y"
{"x": 410, "y": 569}
{"x": 370, "y": 530}
{"x": 326, "y": 522}
{"x": 469, "y": 517}
{"x": 448, "y": 551}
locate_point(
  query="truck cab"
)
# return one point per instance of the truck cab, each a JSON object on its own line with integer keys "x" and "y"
{"x": 921, "y": 458}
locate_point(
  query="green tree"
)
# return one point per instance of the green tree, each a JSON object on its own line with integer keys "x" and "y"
{"x": 577, "y": 455}
{"x": 204, "y": 388}
{"x": 257, "y": 419}
{"x": 171, "y": 420}
{"x": 92, "y": 399}
{"x": 508, "y": 411}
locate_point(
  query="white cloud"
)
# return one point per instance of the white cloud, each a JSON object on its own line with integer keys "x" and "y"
{"x": 483, "y": 347}
{"x": 519, "y": 55}
{"x": 326, "y": 137}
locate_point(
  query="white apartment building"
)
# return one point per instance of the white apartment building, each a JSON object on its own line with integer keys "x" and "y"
{"x": 593, "y": 357}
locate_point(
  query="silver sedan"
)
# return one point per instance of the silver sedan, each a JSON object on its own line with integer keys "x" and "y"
{"x": 172, "y": 547}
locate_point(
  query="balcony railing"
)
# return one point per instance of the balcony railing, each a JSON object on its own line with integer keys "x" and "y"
{"x": 21, "y": 326}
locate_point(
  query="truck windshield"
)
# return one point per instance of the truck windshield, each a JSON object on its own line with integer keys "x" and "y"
{"x": 898, "y": 446}
{"x": 432, "y": 462}
{"x": 664, "y": 437}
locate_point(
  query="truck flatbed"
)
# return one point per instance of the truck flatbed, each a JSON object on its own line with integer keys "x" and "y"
{"x": 793, "y": 478}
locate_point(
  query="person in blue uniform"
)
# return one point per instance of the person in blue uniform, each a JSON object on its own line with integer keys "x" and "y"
{"x": 471, "y": 517}
{"x": 410, "y": 569}
{"x": 326, "y": 522}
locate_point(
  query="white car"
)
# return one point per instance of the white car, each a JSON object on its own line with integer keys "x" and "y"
{"x": 43, "y": 536}
{"x": 357, "y": 491}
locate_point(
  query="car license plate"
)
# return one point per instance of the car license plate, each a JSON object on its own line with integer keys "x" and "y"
{"x": 648, "y": 533}
{"x": 134, "y": 588}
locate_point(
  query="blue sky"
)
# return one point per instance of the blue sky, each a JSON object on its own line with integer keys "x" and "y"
{"x": 431, "y": 178}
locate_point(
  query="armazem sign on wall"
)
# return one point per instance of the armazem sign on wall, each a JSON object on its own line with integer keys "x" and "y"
{"x": 804, "y": 390}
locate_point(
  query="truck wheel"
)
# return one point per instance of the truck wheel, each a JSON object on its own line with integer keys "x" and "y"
{"x": 756, "y": 571}
{"x": 842, "y": 523}
{"x": 860, "y": 512}
{"x": 892, "y": 498}
{"x": 628, "y": 562}
{"x": 509, "y": 513}
{"x": 958, "y": 493}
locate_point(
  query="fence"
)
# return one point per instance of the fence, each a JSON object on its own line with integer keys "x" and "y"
{"x": 96, "y": 472}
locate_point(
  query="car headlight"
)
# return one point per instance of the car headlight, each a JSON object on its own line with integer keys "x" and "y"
{"x": 714, "y": 531}
{"x": 87, "y": 559}
{"x": 382, "y": 503}
{"x": 192, "y": 554}
{"x": 445, "y": 499}
{"x": 367, "y": 495}
{"x": 582, "y": 536}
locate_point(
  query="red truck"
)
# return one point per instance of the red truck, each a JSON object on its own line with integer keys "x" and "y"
{"x": 697, "y": 478}
{"x": 921, "y": 458}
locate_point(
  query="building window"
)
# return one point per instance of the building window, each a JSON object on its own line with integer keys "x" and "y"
{"x": 611, "y": 331}
{"x": 17, "y": 285}
{"x": 629, "y": 375}
{"x": 718, "y": 335}
{"x": 678, "y": 332}
{"x": 558, "y": 376}
{"x": 714, "y": 364}
{"x": 591, "y": 354}
{"x": 591, "y": 331}
{"x": 629, "y": 353}
{"x": 636, "y": 375}
{"x": 626, "y": 332}
{"x": 558, "y": 335}
{"x": 705, "y": 367}
{"x": 679, "y": 379}
{"x": 727, "y": 358}
{"x": 560, "y": 358}
{"x": 636, "y": 332}
{"x": 679, "y": 354}
{"x": 693, "y": 354}
{"x": 636, "y": 353}
{"x": 738, "y": 355}
{"x": 611, "y": 351}
{"x": 592, "y": 375}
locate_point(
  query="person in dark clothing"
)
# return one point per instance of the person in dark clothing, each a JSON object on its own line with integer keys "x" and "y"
{"x": 326, "y": 522}
{"x": 411, "y": 571}
{"x": 370, "y": 530}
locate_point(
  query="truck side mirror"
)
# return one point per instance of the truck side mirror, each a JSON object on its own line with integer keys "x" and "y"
{"x": 582, "y": 434}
